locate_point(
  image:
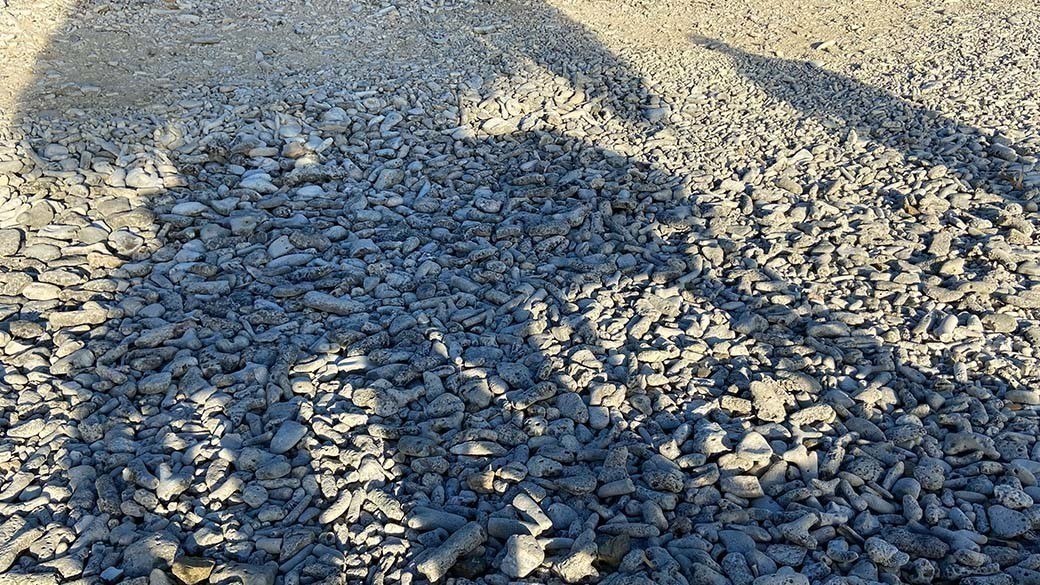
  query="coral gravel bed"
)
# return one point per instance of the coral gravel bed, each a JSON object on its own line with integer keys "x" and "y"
{"x": 661, "y": 293}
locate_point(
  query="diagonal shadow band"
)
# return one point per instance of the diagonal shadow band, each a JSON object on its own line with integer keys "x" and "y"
{"x": 983, "y": 160}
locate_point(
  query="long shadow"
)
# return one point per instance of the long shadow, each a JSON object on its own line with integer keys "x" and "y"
{"x": 981, "y": 160}
{"x": 160, "y": 370}
{"x": 282, "y": 341}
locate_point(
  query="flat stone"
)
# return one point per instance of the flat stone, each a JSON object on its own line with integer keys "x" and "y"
{"x": 147, "y": 553}
{"x": 288, "y": 435}
{"x": 523, "y": 555}
{"x": 138, "y": 178}
{"x": 10, "y": 241}
{"x": 1007, "y": 523}
{"x": 192, "y": 570}
{"x": 156, "y": 383}
{"x": 330, "y": 304}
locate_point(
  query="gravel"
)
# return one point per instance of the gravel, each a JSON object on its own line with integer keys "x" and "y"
{"x": 580, "y": 322}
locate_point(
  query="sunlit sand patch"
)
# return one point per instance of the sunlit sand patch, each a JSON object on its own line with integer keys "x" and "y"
{"x": 27, "y": 28}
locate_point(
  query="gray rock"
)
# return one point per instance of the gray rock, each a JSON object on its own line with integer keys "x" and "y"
{"x": 782, "y": 579}
{"x": 138, "y": 178}
{"x": 330, "y": 304}
{"x": 288, "y": 435}
{"x": 156, "y": 383}
{"x": 10, "y": 242}
{"x": 1007, "y": 523}
{"x": 147, "y": 552}
{"x": 523, "y": 555}
{"x": 464, "y": 540}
